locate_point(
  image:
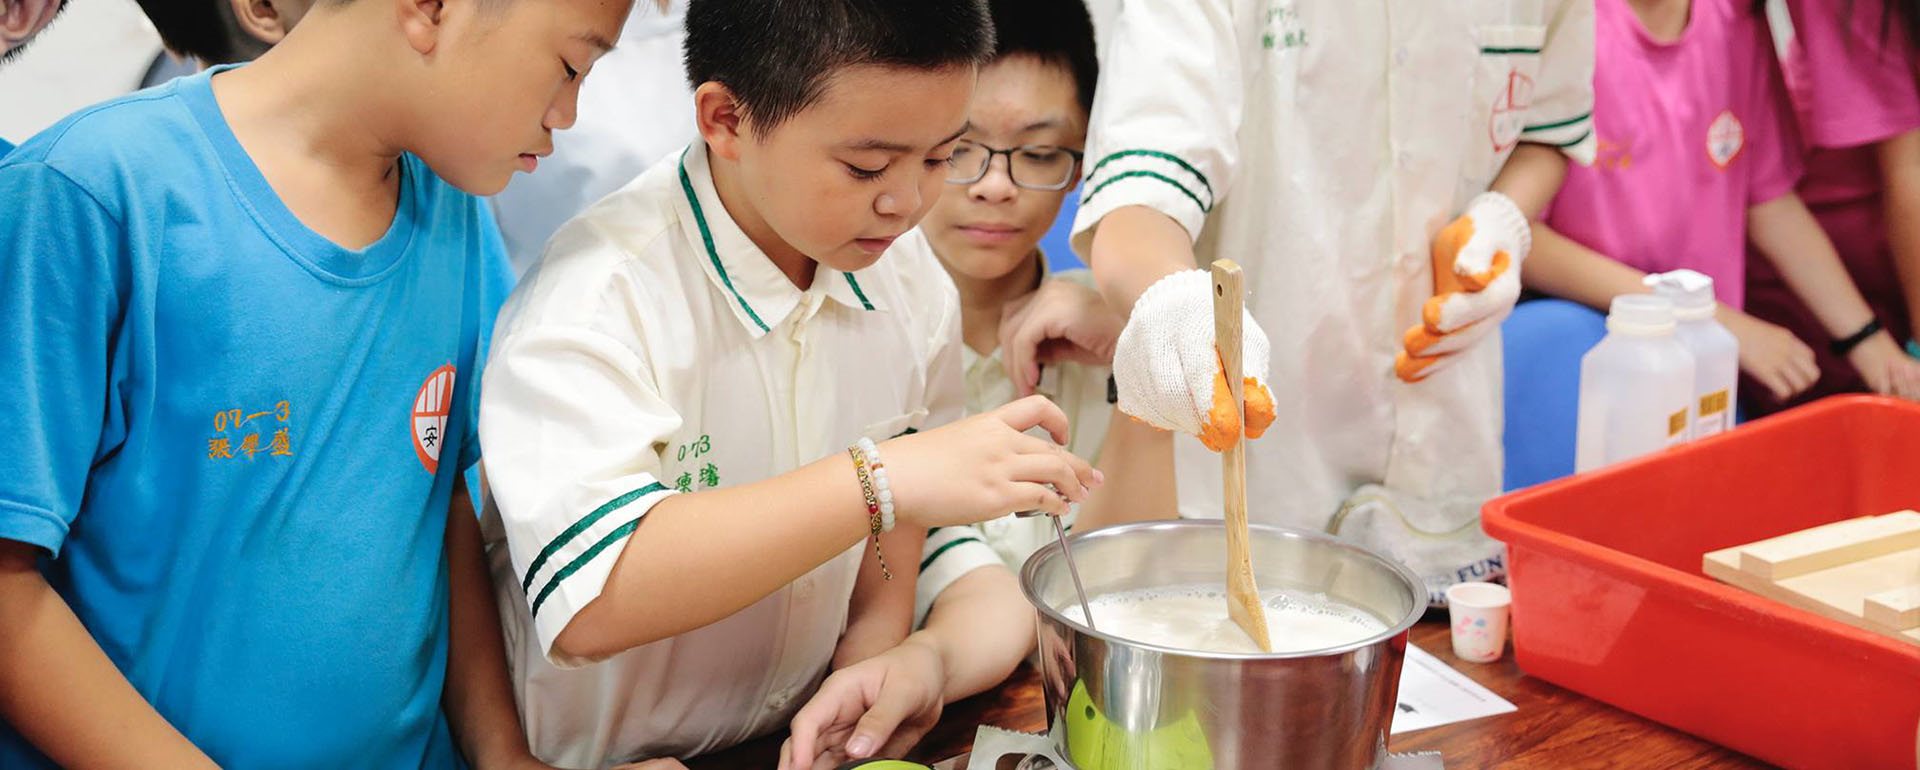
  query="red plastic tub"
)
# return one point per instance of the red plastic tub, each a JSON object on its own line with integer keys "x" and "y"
{"x": 1609, "y": 599}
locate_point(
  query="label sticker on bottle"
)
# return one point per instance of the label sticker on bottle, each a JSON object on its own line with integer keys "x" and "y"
{"x": 1677, "y": 428}
{"x": 1715, "y": 414}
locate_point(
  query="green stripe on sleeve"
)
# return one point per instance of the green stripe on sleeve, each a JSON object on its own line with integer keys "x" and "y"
{"x": 1204, "y": 208}
{"x": 1156, "y": 154}
{"x": 1559, "y": 123}
{"x": 581, "y": 561}
{"x": 560, "y": 541}
{"x": 1583, "y": 137}
{"x": 945, "y": 548}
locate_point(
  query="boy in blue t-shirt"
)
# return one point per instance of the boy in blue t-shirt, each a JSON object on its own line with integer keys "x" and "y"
{"x": 240, "y": 317}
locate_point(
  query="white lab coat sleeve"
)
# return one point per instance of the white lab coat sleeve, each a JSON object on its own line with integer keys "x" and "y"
{"x": 571, "y": 423}
{"x": 1166, "y": 116}
{"x": 1562, "y": 111}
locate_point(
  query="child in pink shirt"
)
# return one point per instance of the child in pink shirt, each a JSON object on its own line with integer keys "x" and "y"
{"x": 1698, "y": 157}
{"x": 1850, "y": 71}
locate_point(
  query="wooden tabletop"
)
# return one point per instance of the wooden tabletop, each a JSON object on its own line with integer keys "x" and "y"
{"x": 1554, "y": 728}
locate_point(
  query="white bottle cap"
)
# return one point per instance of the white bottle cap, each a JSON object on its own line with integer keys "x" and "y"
{"x": 1691, "y": 293}
{"x": 1641, "y": 314}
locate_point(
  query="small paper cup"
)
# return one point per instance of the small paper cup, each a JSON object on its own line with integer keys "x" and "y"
{"x": 1478, "y": 614}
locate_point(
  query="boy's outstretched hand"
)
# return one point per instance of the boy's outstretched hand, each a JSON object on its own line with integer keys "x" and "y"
{"x": 986, "y": 466}
{"x": 1060, "y": 321}
{"x": 879, "y": 707}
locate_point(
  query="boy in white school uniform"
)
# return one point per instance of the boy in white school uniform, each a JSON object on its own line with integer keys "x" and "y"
{"x": 1010, "y": 175}
{"x": 682, "y": 406}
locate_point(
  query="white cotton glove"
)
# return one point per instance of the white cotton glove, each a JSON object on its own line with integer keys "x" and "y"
{"x": 1476, "y": 281}
{"x": 1168, "y": 371}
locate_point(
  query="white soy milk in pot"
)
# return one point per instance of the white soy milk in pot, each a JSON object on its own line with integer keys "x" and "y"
{"x": 1195, "y": 618}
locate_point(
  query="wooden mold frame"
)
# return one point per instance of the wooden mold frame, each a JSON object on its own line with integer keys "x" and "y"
{"x": 1863, "y": 572}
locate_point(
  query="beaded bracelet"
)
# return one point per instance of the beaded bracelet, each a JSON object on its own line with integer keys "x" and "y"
{"x": 880, "y": 482}
{"x": 874, "y": 520}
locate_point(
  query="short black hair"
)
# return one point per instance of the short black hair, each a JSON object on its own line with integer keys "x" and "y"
{"x": 776, "y": 55}
{"x": 1057, "y": 32}
{"x": 203, "y": 29}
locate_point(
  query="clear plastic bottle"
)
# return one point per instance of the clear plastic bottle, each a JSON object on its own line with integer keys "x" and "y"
{"x": 1635, "y": 386}
{"x": 1716, "y": 353}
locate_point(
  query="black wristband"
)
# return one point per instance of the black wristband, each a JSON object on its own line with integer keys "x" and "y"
{"x": 1845, "y": 345}
{"x": 1113, "y": 390}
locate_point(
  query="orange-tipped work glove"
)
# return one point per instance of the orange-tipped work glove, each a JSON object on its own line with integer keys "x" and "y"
{"x": 1168, "y": 372}
{"x": 1476, "y": 281}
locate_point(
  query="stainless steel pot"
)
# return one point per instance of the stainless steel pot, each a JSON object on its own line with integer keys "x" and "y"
{"x": 1119, "y": 704}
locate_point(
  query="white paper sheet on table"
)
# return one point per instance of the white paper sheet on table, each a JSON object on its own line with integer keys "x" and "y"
{"x": 1432, "y": 694}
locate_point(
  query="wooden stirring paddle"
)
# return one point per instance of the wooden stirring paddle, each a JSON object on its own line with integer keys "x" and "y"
{"x": 1243, "y": 596}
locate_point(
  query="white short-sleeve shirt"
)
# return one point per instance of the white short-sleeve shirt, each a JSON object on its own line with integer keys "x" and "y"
{"x": 656, "y": 351}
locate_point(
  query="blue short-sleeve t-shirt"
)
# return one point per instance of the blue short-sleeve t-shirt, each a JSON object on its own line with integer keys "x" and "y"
{"x": 235, "y": 439}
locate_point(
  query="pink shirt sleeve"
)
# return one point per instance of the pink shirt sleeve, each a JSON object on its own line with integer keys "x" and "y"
{"x": 1858, "y": 85}
{"x": 1772, "y": 136}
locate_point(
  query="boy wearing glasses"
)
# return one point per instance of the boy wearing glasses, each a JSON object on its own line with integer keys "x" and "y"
{"x": 1019, "y": 159}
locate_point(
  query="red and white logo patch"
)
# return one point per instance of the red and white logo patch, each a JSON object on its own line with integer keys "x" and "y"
{"x": 1725, "y": 139}
{"x": 430, "y": 410}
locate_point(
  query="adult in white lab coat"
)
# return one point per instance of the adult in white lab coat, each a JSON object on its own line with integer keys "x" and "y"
{"x": 635, "y": 110}
{"x": 1324, "y": 145}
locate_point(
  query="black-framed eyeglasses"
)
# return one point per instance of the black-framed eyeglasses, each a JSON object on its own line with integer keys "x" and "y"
{"x": 1031, "y": 166}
